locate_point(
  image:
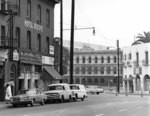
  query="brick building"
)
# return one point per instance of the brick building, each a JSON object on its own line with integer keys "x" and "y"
{"x": 26, "y": 43}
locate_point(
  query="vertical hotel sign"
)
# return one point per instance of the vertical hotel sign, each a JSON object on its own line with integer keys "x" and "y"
{"x": 32, "y": 25}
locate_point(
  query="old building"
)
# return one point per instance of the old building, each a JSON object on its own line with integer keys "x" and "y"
{"x": 26, "y": 43}
{"x": 95, "y": 67}
{"x": 136, "y": 71}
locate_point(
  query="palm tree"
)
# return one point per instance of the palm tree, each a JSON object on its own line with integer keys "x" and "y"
{"x": 142, "y": 38}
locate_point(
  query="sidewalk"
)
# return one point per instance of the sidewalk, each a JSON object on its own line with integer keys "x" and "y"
{"x": 128, "y": 94}
{"x": 4, "y": 105}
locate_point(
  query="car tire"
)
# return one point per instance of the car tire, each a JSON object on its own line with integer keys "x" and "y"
{"x": 97, "y": 93}
{"x": 42, "y": 102}
{"x": 14, "y": 105}
{"x": 83, "y": 98}
{"x": 32, "y": 102}
{"x": 62, "y": 99}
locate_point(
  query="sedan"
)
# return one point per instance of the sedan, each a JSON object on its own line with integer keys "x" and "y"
{"x": 28, "y": 96}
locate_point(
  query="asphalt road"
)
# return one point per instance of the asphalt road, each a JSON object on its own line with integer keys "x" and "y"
{"x": 94, "y": 105}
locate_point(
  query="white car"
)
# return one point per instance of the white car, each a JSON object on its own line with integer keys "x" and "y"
{"x": 94, "y": 89}
{"x": 59, "y": 92}
{"x": 79, "y": 91}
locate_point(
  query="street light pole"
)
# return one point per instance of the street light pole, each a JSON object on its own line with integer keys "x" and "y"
{"x": 72, "y": 41}
{"x": 118, "y": 80}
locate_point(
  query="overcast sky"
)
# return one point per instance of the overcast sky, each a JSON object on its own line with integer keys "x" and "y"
{"x": 112, "y": 19}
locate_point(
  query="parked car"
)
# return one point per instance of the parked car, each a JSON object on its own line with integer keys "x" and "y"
{"x": 59, "y": 92}
{"x": 94, "y": 89}
{"x": 28, "y": 96}
{"x": 79, "y": 91}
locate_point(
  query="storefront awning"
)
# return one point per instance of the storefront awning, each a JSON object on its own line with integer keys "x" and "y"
{"x": 52, "y": 72}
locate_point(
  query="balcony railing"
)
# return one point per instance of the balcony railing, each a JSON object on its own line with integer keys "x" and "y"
{"x": 5, "y": 42}
{"x": 145, "y": 62}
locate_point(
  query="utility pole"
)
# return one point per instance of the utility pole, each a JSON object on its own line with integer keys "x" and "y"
{"x": 72, "y": 41}
{"x": 61, "y": 37}
{"x": 118, "y": 80}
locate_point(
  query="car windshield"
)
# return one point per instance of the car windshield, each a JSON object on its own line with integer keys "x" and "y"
{"x": 73, "y": 87}
{"x": 56, "y": 87}
{"x": 23, "y": 92}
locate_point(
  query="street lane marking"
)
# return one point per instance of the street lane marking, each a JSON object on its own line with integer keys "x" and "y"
{"x": 100, "y": 115}
{"x": 123, "y": 110}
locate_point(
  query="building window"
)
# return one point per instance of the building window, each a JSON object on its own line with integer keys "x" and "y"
{"x": 17, "y": 34}
{"x": 77, "y": 80}
{"x": 115, "y": 59}
{"x": 95, "y": 70}
{"x": 83, "y": 59}
{"x": 28, "y": 39}
{"x": 47, "y": 44}
{"x": 114, "y": 70}
{"x": 102, "y": 70}
{"x": 90, "y": 59}
{"x": 146, "y": 57}
{"x": 77, "y": 70}
{"x": 29, "y": 9}
{"x": 47, "y": 18}
{"x": 108, "y": 59}
{"x": 39, "y": 14}
{"x": 89, "y": 80}
{"x": 89, "y": 70}
{"x": 108, "y": 70}
{"x": 3, "y": 35}
{"x": 37, "y": 69}
{"x": 95, "y": 80}
{"x": 102, "y": 59}
{"x": 137, "y": 58}
{"x": 96, "y": 59}
{"x": 83, "y": 80}
{"x": 125, "y": 57}
{"x": 83, "y": 70}
{"x": 39, "y": 42}
{"x": 77, "y": 59}
{"x": 130, "y": 57}
{"x": 102, "y": 80}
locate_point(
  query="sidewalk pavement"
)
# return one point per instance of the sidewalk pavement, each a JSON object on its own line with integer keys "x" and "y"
{"x": 4, "y": 105}
{"x": 128, "y": 94}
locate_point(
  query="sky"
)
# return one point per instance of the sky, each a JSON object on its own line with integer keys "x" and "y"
{"x": 113, "y": 20}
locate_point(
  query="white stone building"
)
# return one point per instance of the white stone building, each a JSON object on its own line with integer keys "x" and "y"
{"x": 136, "y": 71}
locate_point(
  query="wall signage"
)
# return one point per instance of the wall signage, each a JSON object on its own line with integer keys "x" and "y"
{"x": 32, "y": 25}
{"x": 30, "y": 57}
{"x": 47, "y": 60}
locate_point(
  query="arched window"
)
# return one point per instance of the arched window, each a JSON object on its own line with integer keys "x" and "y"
{"x": 29, "y": 9}
{"x": 108, "y": 59}
{"x": 47, "y": 18}
{"x": 102, "y": 59}
{"x": 83, "y": 59}
{"x": 90, "y": 59}
{"x": 115, "y": 59}
{"x": 96, "y": 59}
{"x": 39, "y": 14}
